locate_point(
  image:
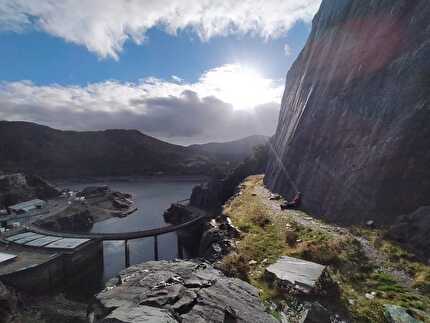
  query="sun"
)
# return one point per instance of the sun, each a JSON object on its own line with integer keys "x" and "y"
{"x": 241, "y": 86}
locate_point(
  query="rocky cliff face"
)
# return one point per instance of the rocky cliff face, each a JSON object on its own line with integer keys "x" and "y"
{"x": 16, "y": 188}
{"x": 353, "y": 133}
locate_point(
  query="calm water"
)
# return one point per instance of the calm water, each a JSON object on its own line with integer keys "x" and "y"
{"x": 152, "y": 197}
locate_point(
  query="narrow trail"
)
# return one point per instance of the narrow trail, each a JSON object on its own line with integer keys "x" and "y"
{"x": 376, "y": 257}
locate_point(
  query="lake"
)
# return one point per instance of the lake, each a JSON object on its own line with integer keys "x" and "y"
{"x": 152, "y": 196}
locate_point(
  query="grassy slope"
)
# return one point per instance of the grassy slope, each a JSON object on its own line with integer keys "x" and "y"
{"x": 269, "y": 233}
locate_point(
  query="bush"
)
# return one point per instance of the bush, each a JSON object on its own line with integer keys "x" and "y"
{"x": 291, "y": 238}
{"x": 235, "y": 265}
{"x": 262, "y": 220}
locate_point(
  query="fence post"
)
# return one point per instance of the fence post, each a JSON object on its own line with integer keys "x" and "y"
{"x": 127, "y": 254}
{"x": 156, "y": 247}
{"x": 180, "y": 250}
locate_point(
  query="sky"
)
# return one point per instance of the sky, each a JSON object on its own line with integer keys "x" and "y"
{"x": 185, "y": 71}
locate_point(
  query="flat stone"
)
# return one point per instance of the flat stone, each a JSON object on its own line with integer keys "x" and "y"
{"x": 186, "y": 301}
{"x": 162, "y": 296}
{"x": 139, "y": 314}
{"x": 397, "y": 314}
{"x": 300, "y": 274}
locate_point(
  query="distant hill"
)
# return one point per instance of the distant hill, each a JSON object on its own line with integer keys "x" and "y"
{"x": 36, "y": 149}
{"x": 231, "y": 151}
{"x": 32, "y": 148}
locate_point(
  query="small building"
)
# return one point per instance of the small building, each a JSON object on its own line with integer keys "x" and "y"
{"x": 26, "y": 207}
{"x": 93, "y": 191}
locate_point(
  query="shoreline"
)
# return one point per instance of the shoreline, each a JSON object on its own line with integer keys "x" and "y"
{"x": 129, "y": 179}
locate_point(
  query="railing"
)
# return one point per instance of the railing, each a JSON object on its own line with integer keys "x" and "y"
{"x": 126, "y": 235}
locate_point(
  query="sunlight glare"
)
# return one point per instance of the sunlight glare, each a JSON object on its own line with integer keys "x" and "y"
{"x": 242, "y": 86}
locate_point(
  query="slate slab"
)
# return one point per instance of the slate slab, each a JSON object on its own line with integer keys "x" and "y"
{"x": 301, "y": 274}
{"x": 397, "y": 314}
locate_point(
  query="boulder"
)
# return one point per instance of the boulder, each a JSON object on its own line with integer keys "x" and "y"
{"x": 217, "y": 239}
{"x": 315, "y": 313}
{"x": 178, "y": 291}
{"x": 413, "y": 231}
{"x": 293, "y": 273}
{"x": 177, "y": 214}
{"x": 397, "y": 314}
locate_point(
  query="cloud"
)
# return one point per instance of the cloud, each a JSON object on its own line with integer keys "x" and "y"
{"x": 104, "y": 26}
{"x": 177, "y": 79}
{"x": 179, "y": 112}
{"x": 287, "y": 50}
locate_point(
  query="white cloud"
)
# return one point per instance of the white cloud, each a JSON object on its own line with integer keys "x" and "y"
{"x": 177, "y": 79}
{"x": 287, "y": 50}
{"x": 223, "y": 104}
{"x": 104, "y": 25}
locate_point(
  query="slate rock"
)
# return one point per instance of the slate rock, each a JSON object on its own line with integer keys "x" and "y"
{"x": 292, "y": 272}
{"x": 316, "y": 313}
{"x": 353, "y": 131}
{"x": 397, "y": 314}
{"x": 139, "y": 314}
{"x": 171, "y": 291}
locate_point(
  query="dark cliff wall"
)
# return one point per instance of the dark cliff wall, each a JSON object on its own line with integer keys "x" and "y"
{"x": 354, "y": 129}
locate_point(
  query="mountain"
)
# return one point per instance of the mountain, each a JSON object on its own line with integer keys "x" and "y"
{"x": 32, "y": 148}
{"x": 353, "y": 133}
{"x": 17, "y": 188}
{"x": 231, "y": 151}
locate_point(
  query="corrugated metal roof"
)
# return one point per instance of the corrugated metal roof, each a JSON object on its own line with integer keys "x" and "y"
{"x": 43, "y": 241}
{"x": 20, "y": 236}
{"x": 6, "y": 257}
{"x": 67, "y": 243}
{"x": 28, "y": 204}
{"x": 29, "y": 238}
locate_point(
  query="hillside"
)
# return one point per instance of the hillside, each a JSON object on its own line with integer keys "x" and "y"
{"x": 32, "y": 148}
{"x": 232, "y": 151}
{"x": 353, "y": 132}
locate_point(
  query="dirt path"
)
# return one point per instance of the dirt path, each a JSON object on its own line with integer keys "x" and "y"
{"x": 375, "y": 256}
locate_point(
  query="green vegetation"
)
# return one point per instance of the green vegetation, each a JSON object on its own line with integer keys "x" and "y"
{"x": 363, "y": 287}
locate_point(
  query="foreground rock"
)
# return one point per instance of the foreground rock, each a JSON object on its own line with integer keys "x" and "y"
{"x": 177, "y": 291}
{"x": 218, "y": 239}
{"x": 352, "y": 134}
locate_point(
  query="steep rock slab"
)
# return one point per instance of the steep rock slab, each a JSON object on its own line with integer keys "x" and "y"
{"x": 178, "y": 291}
{"x": 353, "y": 132}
